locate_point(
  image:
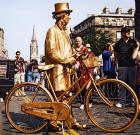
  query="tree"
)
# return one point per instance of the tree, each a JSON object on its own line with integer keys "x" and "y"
{"x": 97, "y": 39}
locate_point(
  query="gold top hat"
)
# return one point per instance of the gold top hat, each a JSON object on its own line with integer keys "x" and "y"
{"x": 61, "y": 8}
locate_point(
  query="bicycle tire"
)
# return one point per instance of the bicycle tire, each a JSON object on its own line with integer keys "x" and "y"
{"x": 21, "y": 121}
{"x": 104, "y": 113}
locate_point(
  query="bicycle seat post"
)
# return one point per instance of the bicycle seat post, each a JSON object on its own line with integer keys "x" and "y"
{"x": 52, "y": 90}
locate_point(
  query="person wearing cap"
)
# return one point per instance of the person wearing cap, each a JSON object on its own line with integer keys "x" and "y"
{"x": 123, "y": 50}
{"x": 59, "y": 51}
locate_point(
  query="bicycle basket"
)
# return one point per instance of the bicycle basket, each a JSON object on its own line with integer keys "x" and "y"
{"x": 91, "y": 62}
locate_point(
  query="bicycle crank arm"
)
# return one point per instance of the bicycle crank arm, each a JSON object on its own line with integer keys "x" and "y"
{"x": 47, "y": 110}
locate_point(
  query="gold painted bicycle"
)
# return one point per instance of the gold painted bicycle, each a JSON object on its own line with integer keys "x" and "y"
{"x": 32, "y": 112}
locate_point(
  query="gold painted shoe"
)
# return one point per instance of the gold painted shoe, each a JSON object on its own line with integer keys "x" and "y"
{"x": 79, "y": 126}
{"x": 52, "y": 126}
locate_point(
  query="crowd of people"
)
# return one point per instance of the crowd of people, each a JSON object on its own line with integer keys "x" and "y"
{"x": 118, "y": 61}
{"x": 25, "y": 71}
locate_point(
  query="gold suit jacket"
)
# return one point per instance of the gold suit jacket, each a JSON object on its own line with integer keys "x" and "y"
{"x": 57, "y": 51}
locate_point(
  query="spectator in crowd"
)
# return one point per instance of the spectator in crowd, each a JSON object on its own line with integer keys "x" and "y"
{"x": 80, "y": 48}
{"x": 96, "y": 72}
{"x": 28, "y": 71}
{"x": 100, "y": 62}
{"x": 32, "y": 72}
{"x": 108, "y": 66}
{"x": 85, "y": 77}
{"x": 35, "y": 71}
{"x": 136, "y": 56}
{"x": 126, "y": 65}
{"x": 58, "y": 51}
{"x": 79, "y": 43}
{"x": 19, "y": 71}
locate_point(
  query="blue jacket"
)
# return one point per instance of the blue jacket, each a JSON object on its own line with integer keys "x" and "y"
{"x": 107, "y": 62}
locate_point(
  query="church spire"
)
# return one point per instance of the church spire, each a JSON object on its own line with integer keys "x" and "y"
{"x": 34, "y": 34}
{"x": 34, "y": 46}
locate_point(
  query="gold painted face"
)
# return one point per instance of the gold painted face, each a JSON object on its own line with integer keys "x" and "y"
{"x": 67, "y": 18}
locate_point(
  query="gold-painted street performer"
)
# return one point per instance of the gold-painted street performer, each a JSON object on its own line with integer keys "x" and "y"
{"x": 59, "y": 51}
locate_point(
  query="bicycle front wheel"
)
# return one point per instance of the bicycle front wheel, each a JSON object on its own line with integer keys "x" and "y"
{"x": 21, "y": 121}
{"x": 106, "y": 112}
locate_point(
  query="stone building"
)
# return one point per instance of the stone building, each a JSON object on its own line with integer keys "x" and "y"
{"x": 109, "y": 22}
{"x": 3, "y": 51}
{"x": 34, "y": 47}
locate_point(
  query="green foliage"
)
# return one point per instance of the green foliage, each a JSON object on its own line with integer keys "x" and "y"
{"x": 97, "y": 39}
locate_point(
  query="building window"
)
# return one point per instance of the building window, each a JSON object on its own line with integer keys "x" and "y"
{"x": 113, "y": 23}
{"x": 107, "y": 34}
{"x": 93, "y": 21}
{"x": 118, "y": 35}
{"x": 80, "y": 28}
{"x": 90, "y": 24}
{"x": 130, "y": 23}
{"x": 118, "y": 23}
{"x": 106, "y": 22}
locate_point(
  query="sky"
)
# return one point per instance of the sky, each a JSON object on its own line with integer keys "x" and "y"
{"x": 17, "y": 18}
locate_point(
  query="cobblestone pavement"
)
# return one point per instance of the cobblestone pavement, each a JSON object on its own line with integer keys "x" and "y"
{"x": 80, "y": 116}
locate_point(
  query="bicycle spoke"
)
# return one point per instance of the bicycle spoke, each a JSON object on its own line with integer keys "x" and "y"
{"x": 107, "y": 117}
{"x": 21, "y": 121}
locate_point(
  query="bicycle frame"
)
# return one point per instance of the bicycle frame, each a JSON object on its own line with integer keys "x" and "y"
{"x": 78, "y": 89}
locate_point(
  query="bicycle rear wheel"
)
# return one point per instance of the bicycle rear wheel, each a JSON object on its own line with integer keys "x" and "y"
{"x": 104, "y": 113}
{"x": 21, "y": 121}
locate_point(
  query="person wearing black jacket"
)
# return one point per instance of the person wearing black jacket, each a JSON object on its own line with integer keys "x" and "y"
{"x": 123, "y": 51}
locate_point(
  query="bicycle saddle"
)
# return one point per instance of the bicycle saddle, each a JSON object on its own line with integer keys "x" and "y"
{"x": 46, "y": 67}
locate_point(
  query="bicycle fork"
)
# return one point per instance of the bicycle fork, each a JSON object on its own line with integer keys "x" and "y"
{"x": 105, "y": 99}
